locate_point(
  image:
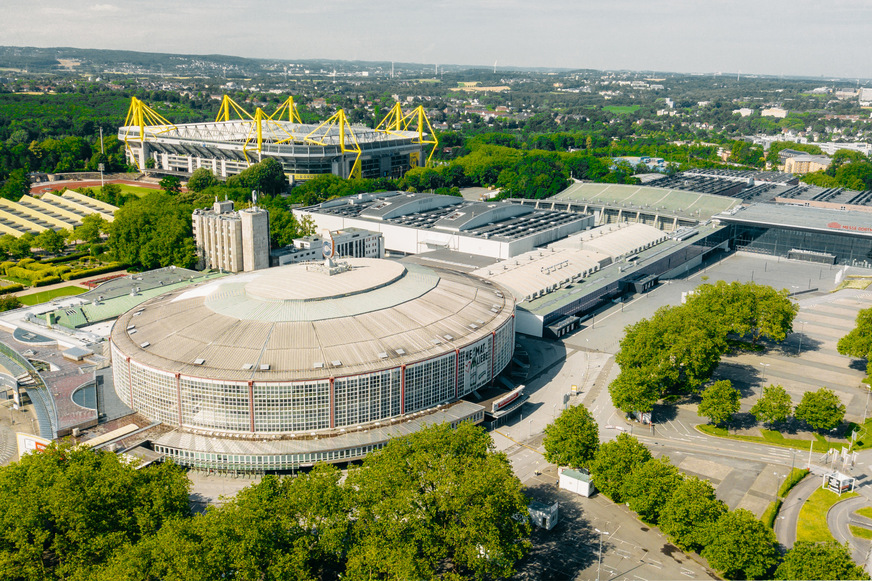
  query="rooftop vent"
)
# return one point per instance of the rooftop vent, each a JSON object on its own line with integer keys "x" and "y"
{"x": 144, "y": 345}
{"x": 248, "y": 366}
{"x": 448, "y": 337}
{"x": 199, "y": 361}
{"x": 131, "y": 331}
{"x": 382, "y": 355}
{"x": 317, "y": 365}
{"x": 336, "y": 363}
{"x": 264, "y": 366}
{"x": 400, "y": 351}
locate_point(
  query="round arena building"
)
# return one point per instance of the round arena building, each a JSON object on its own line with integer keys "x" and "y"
{"x": 284, "y": 367}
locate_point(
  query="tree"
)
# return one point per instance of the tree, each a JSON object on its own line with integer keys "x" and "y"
{"x": 437, "y": 499}
{"x": 21, "y": 246}
{"x": 745, "y": 308}
{"x": 172, "y": 185}
{"x": 9, "y": 302}
{"x": 821, "y": 409}
{"x": 742, "y": 546}
{"x": 647, "y": 488}
{"x": 572, "y": 439}
{"x": 93, "y": 225}
{"x": 201, "y": 179}
{"x": 152, "y": 232}
{"x": 773, "y": 406}
{"x": 16, "y": 185}
{"x": 50, "y": 240}
{"x": 267, "y": 177}
{"x": 690, "y": 514}
{"x": 67, "y": 509}
{"x": 719, "y": 402}
{"x": 615, "y": 461}
{"x": 858, "y": 343}
{"x": 807, "y": 560}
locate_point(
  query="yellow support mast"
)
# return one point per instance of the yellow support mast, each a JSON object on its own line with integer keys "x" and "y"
{"x": 339, "y": 121}
{"x": 395, "y": 122}
{"x": 291, "y": 109}
{"x": 228, "y": 105}
{"x": 141, "y": 115}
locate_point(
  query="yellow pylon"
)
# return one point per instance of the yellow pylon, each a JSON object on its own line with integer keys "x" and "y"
{"x": 228, "y": 105}
{"x": 395, "y": 121}
{"x": 339, "y": 121}
{"x": 141, "y": 115}
{"x": 291, "y": 109}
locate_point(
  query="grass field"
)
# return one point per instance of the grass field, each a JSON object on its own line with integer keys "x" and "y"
{"x": 865, "y": 511}
{"x": 47, "y": 295}
{"x": 621, "y": 109}
{"x": 812, "y": 523}
{"x": 136, "y": 190}
{"x": 770, "y": 437}
{"x": 860, "y": 532}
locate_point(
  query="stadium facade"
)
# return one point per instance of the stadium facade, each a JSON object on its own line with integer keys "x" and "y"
{"x": 288, "y": 366}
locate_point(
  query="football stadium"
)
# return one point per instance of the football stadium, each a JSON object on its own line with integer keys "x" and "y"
{"x": 288, "y": 366}
{"x": 237, "y": 139}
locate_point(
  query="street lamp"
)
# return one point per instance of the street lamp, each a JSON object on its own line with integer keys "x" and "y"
{"x": 801, "y": 332}
{"x": 600, "y": 562}
{"x": 765, "y": 365}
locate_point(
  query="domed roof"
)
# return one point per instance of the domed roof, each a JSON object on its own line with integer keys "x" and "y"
{"x": 308, "y": 321}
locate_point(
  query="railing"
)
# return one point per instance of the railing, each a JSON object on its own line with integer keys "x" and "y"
{"x": 43, "y": 402}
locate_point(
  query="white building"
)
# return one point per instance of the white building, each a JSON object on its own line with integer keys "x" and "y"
{"x": 349, "y": 242}
{"x": 230, "y": 240}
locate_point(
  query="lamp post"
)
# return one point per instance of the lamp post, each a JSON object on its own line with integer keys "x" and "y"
{"x": 600, "y": 561}
{"x": 765, "y": 365}
{"x": 801, "y": 333}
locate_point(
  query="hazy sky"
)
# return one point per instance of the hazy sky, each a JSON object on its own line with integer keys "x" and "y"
{"x": 796, "y": 37}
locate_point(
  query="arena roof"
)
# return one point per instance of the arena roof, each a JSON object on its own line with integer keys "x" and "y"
{"x": 298, "y": 322}
{"x": 801, "y": 217}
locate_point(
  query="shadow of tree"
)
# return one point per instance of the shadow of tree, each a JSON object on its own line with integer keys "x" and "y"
{"x": 564, "y": 551}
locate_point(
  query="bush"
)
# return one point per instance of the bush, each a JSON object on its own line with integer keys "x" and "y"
{"x": 56, "y": 259}
{"x": 770, "y": 513}
{"x": 794, "y": 478}
{"x": 47, "y": 281}
{"x": 12, "y": 288}
{"x": 91, "y": 271}
{"x": 6, "y": 264}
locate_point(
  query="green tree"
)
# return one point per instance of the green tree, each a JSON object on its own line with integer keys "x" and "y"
{"x": 690, "y": 514}
{"x": 745, "y": 309}
{"x": 773, "y": 406}
{"x": 266, "y": 177}
{"x": 821, "y": 409}
{"x": 858, "y": 343}
{"x": 9, "y": 302}
{"x": 437, "y": 499}
{"x": 67, "y": 509}
{"x": 92, "y": 227}
{"x": 50, "y": 240}
{"x": 172, "y": 185}
{"x": 152, "y": 232}
{"x": 615, "y": 461}
{"x": 647, "y": 488}
{"x": 719, "y": 402}
{"x": 16, "y": 185}
{"x": 742, "y": 546}
{"x": 572, "y": 439}
{"x": 21, "y": 246}
{"x": 201, "y": 179}
{"x": 806, "y": 560}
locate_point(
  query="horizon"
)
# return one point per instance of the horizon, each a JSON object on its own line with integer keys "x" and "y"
{"x": 778, "y": 38}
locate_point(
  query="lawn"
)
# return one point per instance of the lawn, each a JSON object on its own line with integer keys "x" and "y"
{"x": 621, "y": 109}
{"x": 860, "y": 532}
{"x": 812, "y": 523}
{"x": 770, "y": 437}
{"x": 865, "y": 511}
{"x": 136, "y": 190}
{"x": 47, "y": 295}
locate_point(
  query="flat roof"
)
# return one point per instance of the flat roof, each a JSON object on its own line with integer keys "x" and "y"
{"x": 802, "y": 217}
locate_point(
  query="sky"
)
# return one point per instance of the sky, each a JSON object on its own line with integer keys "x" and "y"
{"x": 774, "y": 37}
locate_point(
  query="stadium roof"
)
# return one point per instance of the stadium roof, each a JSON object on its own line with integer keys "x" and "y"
{"x": 802, "y": 217}
{"x": 299, "y": 322}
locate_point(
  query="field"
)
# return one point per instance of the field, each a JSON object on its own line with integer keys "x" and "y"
{"x": 136, "y": 190}
{"x": 812, "y": 523}
{"x": 621, "y": 109}
{"x": 47, "y": 295}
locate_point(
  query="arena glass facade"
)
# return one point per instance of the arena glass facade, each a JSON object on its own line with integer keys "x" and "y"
{"x": 305, "y": 406}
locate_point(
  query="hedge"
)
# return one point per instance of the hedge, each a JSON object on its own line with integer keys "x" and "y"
{"x": 65, "y": 258}
{"x": 47, "y": 281}
{"x": 12, "y": 288}
{"x": 792, "y": 480}
{"x": 92, "y": 271}
{"x": 771, "y": 512}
